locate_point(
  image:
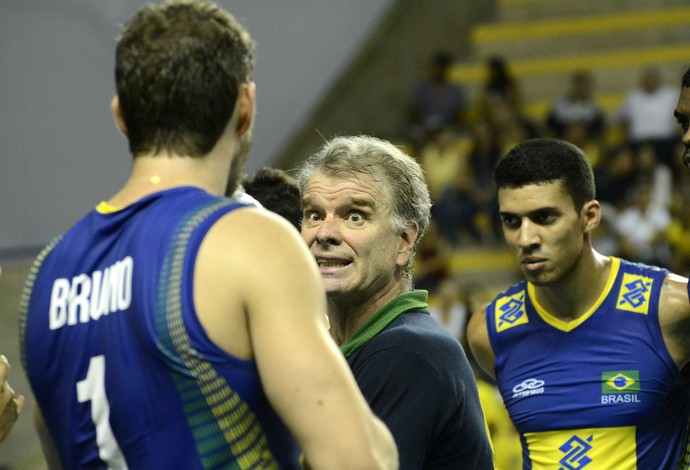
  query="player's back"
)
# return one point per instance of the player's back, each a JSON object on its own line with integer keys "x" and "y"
{"x": 120, "y": 366}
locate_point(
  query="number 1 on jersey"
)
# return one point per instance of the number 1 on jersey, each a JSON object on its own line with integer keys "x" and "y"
{"x": 92, "y": 389}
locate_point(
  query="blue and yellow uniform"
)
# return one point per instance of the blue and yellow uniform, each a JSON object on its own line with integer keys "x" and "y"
{"x": 122, "y": 369}
{"x": 600, "y": 392}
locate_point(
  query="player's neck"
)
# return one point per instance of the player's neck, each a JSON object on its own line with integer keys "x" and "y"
{"x": 574, "y": 295}
{"x": 151, "y": 174}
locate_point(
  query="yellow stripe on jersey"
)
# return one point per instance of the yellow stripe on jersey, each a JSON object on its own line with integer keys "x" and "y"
{"x": 104, "y": 208}
{"x": 563, "y": 325}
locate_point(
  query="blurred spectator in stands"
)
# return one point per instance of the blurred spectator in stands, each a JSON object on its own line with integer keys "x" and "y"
{"x": 451, "y": 303}
{"x": 577, "y": 106}
{"x": 432, "y": 263}
{"x": 659, "y": 176}
{"x": 642, "y": 227}
{"x": 614, "y": 175}
{"x": 578, "y": 134}
{"x": 500, "y": 97}
{"x": 436, "y": 102}
{"x": 445, "y": 162}
{"x": 512, "y": 131}
{"x": 484, "y": 154}
{"x": 605, "y": 238}
{"x": 448, "y": 307}
{"x": 647, "y": 115}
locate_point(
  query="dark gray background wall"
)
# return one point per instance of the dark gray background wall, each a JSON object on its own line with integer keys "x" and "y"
{"x": 60, "y": 152}
{"x": 324, "y": 67}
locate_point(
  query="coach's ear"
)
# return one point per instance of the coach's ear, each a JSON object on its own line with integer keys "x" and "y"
{"x": 408, "y": 237}
{"x": 117, "y": 114}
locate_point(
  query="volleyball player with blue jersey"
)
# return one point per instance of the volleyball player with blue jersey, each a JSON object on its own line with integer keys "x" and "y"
{"x": 587, "y": 350}
{"x": 175, "y": 328}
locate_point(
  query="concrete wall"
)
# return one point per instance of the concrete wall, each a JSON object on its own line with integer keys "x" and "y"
{"x": 60, "y": 152}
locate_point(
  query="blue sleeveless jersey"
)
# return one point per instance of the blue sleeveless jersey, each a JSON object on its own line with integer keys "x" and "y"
{"x": 122, "y": 369}
{"x": 597, "y": 393}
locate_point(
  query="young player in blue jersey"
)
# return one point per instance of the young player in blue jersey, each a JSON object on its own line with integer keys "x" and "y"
{"x": 173, "y": 327}
{"x": 365, "y": 207}
{"x": 587, "y": 350}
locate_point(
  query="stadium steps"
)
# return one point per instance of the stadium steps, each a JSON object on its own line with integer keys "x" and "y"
{"x": 613, "y": 39}
{"x": 529, "y": 10}
{"x": 493, "y": 267}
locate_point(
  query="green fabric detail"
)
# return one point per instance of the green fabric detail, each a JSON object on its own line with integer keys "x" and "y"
{"x": 413, "y": 300}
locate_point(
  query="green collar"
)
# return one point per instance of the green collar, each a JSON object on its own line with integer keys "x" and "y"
{"x": 412, "y": 300}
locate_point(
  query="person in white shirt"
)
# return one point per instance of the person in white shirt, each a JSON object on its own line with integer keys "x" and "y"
{"x": 647, "y": 115}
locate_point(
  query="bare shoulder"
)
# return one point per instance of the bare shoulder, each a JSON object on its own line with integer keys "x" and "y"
{"x": 253, "y": 225}
{"x": 251, "y": 264}
{"x": 673, "y": 279}
{"x": 478, "y": 339}
{"x": 674, "y": 318}
{"x": 476, "y": 328}
{"x": 477, "y": 332}
{"x": 674, "y": 297}
{"x": 251, "y": 235}
{"x": 254, "y": 249}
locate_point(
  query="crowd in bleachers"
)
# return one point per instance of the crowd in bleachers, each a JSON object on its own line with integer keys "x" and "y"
{"x": 634, "y": 150}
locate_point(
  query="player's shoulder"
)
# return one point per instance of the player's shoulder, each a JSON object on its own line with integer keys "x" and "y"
{"x": 477, "y": 329}
{"x": 252, "y": 224}
{"x": 675, "y": 290}
{"x": 253, "y": 234}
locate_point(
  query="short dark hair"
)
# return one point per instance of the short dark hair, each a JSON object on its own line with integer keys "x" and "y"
{"x": 545, "y": 160}
{"x": 178, "y": 68}
{"x": 277, "y": 191}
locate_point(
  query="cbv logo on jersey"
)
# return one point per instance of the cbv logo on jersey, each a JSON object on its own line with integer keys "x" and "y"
{"x": 575, "y": 450}
{"x": 620, "y": 387}
{"x": 528, "y": 387}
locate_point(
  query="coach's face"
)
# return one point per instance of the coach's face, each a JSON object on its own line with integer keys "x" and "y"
{"x": 347, "y": 224}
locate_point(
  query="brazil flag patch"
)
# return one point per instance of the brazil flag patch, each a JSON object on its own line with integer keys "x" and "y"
{"x": 620, "y": 381}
